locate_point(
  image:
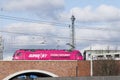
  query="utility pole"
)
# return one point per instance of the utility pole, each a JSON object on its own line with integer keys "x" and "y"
{"x": 73, "y": 33}
{"x": 1, "y": 48}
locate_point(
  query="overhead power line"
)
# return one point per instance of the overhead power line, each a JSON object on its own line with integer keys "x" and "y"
{"x": 59, "y": 37}
{"x": 53, "y": 23}
{"x": 56, "y": 36}
{"x": 29, "y": 20}
{"x": 21, "y": 33}
{"x": 101, "y": 29}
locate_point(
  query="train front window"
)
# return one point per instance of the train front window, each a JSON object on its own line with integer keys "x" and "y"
{"x": 79, "y": 54}
{"x": 18, "y": 54}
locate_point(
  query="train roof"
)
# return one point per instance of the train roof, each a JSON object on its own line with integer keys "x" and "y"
{"x": 47, "y": 50}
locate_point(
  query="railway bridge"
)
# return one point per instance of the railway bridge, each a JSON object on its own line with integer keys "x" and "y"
{"x": 9, "y": 70}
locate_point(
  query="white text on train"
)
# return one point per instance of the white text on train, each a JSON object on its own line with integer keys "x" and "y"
{"x": 38, "y": 55}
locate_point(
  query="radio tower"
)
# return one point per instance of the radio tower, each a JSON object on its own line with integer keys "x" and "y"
{"x": 73, "y": 33}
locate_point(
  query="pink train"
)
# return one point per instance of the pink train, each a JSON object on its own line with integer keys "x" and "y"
{"x": 41, "y": 54}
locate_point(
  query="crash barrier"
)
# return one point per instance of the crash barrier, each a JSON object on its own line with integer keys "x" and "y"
{"x": 82, "y": 78}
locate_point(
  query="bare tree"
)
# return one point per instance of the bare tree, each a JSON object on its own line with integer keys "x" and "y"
{"x": 106, "y": 68}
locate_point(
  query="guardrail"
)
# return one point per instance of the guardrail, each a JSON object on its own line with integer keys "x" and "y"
{"x": 82, "y": 78}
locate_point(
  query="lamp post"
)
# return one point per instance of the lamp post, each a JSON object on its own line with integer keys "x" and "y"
{"x": 91, "y": 65}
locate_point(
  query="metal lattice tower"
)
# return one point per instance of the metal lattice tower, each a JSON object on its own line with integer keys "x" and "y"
{"x": 73, "y": 33}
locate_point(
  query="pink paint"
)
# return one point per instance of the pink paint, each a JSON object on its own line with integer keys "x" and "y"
{"x": 41, "y": 54}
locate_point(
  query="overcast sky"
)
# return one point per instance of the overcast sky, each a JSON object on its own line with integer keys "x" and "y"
{"x": 45, "y": 24}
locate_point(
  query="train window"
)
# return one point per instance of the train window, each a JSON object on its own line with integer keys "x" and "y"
{"x": 117, "y": 55}
{"x": 89, "y": 55}
{"x": 33, "y": 50}
{"x": 109, "y": 56}
{"x": 100, "y": 56}
{"x": 18, "y": 54}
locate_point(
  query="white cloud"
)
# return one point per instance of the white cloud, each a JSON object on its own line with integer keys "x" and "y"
{"x": 37, "y": 29}
{"x": 51, "y": 34}
{"x": 90, "y": 14}
{"x": 92, "y": 34}
{"x": 108, "y": 12}
{"x": 30, "y": 27}
{"x": 32, "y": 4}
{"x": 36, "y": 34}
{"x": 42, "y": 8}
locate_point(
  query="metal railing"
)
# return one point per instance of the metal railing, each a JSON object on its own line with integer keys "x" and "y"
{"x": 82, "y": 78}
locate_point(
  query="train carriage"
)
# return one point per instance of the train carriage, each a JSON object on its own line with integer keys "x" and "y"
{"x": 41, "y": 54}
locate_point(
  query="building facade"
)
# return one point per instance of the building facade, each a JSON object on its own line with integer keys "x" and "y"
{"x": 101, "y": 54}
